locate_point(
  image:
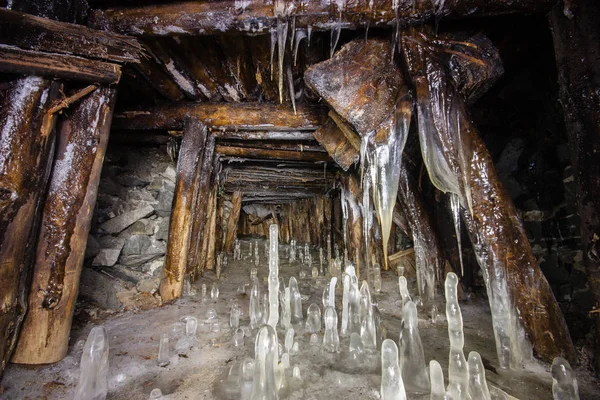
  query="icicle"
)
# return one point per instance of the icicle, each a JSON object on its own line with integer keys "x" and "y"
{"x": 282, "y": 30}
{"x": 293, "y": 33}
{"x": 367, "y": 31}
{"x": 455, "y": 206}
{"x": 291, "y": 86}
{"x": 365, "y": 177}
{"x": 309, "y": 33}
{"x": 300, "y": 34}
{"x": 273, "y": 43}
{"x": 337, "y": 30}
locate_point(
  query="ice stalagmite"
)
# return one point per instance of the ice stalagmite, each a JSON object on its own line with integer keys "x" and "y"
{"x": 356, "y": 347}
{"x": 331, "y": 302}
{"x": 255, "y": 311}
{"x": 331, "y": 339}
{"x": 392, "y": 386}
{"x": 412, "y": 359}
{"x": 273, "y": 276}
{"x": 345, "y": 296}
{"x": 264, "y": 386}
{"x": 296, "y": 301}
{"x": 163, "y": 351}
{"x": 564, "y": 383}
{"x": 289, "y": 340}
{"x": 438, "y": 388}
{"x": 458, "y": 371}
{"x": 313, "y": 319}
{"x": 286, "y": 309}
{"x": 376, "y": 278}
{"x": 234, "y": 316}
{"x": 478, "y": 388}
{"x": 368, "y": 332}
{"x": 264, "y": 310}
{"x": 93, "y": 374}
{"x": 403, "y": 285}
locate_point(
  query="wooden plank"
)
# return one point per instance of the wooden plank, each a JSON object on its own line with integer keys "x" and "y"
{"x": 337, "y": 145}
{"x": 258, "y": 16}
{"x": 27, "y": 62}
{"x": 68, "y": 210}
{"x": 232, "y": 221}
{"x": 29, "y": 32}
{"x": 224, "y": 117}
{"x": 262, "y": 153}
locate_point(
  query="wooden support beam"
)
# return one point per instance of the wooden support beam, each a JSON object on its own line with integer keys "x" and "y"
{"x": 200, "y": 208}
{"x": 26, "y": 141}
{"x": 224, "y": 116}
{"x": 29, "y": 32}
{"x": 262, "y": 153}
{"x": 232, "y": 221}
{"x": 68, "y": 210}
{"x": 156, "y": 76}
{"x": 188, "y": 165}
{"x": 577, "y": 50}
{"x": 257, "y": 16}
{"x": 337, "y": 145}
{"x": 28, "y": 62}
{"x": 458, "y": 161}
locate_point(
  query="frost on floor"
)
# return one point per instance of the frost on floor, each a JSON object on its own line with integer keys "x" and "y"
{"x": 203, "y": 372}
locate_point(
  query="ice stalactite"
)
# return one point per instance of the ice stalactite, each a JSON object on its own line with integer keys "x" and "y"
{"x": 455, "y": 208}
{"x": 300, "y": 34}
{"x": 272, "y": 52}
{"x": 337, "y": 30}
{"x": 308, "y": 33}
{"x": 290, "y": 78}
{"x": 282, "y": 32}
{"x": 366, "y": 181}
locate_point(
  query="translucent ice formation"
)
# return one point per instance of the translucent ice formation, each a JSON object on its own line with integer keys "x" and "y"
{"x": 345, "y": 297}
{"x": 234, "y": 316}
{"x": 368, "y": 333}
{"x": 204, "y": 292}
{"x": 356, "y": 347}
{"x": 438, "y": 388}
{"x": 377, "y": 278}
{"x": 314, "y": 339}
{"x": 163, "y": 351}
{"x": 314, "y": 272}
{"x": 214, "y": 292}
{"x": 256, "y": 256}
{"x": 392, "y": 387}
{"x": 564, "y": 383}
{"x": 264, "y": 384}
{"x": 478, "y": 388}
{"x": 295, "y": 301}
{"x": 289, "y": 340}
{"x": 458, "y": 371}
{"x": 313, "y": 319}
{"x": 255, "y": 310}
{"x": 285, "y": 360}
{"x": 296, "y": 373}
{"x": 265, "y": 309}
{"x": 403, "y": 285}
{"x": 412, "y": 359}
{"x": 286, "y": 307}
{"x": 331, "y": 340}
{"x": 238, "y": 337}
{"x": 93, "y": 374}
{"x": 273, "y": 276}
{"x": 246, "y": 378}
{"x": 331, "y": 302}
{"x": 155, "y": 394}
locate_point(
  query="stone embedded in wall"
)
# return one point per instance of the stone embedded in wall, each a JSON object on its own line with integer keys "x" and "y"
{"x": 120, "y": 222}
{"x": 106, "y": 257}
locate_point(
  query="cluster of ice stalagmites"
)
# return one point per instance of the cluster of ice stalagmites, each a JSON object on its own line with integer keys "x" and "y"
{"x": 93, "y": 375}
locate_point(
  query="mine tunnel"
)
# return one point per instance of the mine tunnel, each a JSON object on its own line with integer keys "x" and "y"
{"x": 285, "y": 199}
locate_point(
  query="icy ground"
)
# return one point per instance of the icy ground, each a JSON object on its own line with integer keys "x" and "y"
{"x": 202, "y": 374}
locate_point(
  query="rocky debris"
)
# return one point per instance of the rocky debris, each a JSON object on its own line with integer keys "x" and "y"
{"x": 128, "y": 239}
{"x": 120, "y": 222}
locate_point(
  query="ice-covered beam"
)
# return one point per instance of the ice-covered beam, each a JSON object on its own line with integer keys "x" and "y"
{"x": 258, "y": 16}
{"x": 29, "y": 32}
{"x": 277, "y": 154}
{"x": 53, "y": 65}
{"x": 224, "y": 117}
{"x": 458, "y": 162}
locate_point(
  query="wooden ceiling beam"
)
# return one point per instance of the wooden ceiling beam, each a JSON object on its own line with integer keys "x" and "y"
{"x": 224, "y": 116}
{"x": 258, "y": 17}
{"x": 29, "y": 32}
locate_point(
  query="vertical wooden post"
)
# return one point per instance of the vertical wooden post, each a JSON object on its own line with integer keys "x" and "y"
{"x": 234, "y": 215}
{"x": 68, "y": 210}
{"x": 206, "y": 245}
{"x": 26, "y": 143}
{"x": 200, "y": 208}
{"x": 577, "y": 50}
{"x": 188, "y": 165}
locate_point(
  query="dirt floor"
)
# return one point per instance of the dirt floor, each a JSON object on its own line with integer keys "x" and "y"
{"x": 203, "y": 372}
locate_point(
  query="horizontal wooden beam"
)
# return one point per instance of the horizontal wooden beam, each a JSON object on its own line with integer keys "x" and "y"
{"x": 28, "y": 62}
{"x": 29, "y": 32}
{"x": 265, "y": 135}
{"x": 259, "y": 16}
{"x": 224, "y": 116}
{"x": 254, "y": 152}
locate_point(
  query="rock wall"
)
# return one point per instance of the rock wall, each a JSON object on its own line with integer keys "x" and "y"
{"x": 128, "y": 240}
